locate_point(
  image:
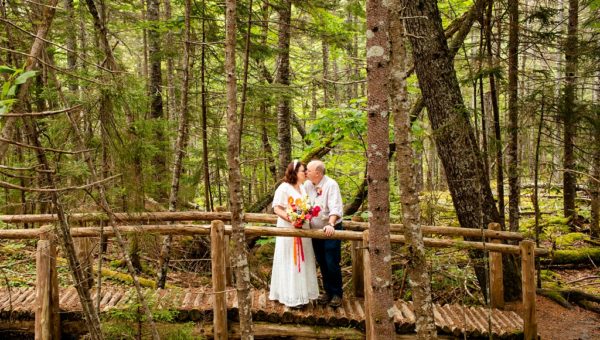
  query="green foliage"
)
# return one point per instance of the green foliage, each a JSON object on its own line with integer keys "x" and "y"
{"x": 15, "y": 78}
{"x": 342, "y": 122}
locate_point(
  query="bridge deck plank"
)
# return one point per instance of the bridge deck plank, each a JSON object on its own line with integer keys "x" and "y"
{"x": 453, "y": 319}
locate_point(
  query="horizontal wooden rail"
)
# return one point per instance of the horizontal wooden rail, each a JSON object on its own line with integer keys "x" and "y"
{"x": 249, "y": 217}
{"x": 196, "y": 229}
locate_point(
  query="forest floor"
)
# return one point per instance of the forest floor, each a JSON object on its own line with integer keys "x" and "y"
{"x": 560, "y": 323}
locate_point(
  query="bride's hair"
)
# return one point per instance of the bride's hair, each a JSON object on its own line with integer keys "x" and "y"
{"x": 291, "y": 172}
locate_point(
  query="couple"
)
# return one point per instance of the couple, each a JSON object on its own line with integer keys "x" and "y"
{"x": 294, "y": 285}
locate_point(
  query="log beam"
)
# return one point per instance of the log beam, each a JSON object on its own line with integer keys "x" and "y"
{"x": 248, "y": 217}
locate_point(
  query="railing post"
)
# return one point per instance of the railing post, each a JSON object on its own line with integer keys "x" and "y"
{"x": 496, "y": 275}
{"x": 47, "y": 318}
{"x": 528, "y": 287}
{"x": 358, "y": 279}
{"x": 217, "y": 255}
{"x": 228, "y": 270}
{"x": 368, "y": 287}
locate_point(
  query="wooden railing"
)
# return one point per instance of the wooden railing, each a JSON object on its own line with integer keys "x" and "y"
{"x": 46, "y": 314}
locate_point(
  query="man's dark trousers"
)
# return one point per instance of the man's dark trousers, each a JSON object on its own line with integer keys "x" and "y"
{"x": 328, "y": 254}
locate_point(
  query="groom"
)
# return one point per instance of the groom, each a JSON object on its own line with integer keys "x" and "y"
{"x": 325, "y": 192}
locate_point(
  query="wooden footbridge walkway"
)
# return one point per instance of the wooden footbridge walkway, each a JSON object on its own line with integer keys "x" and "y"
{"x": 196, "y": 304}
{"x": 47, "y": 304}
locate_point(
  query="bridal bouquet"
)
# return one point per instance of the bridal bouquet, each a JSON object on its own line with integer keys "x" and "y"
{"x": 300, "y": 211}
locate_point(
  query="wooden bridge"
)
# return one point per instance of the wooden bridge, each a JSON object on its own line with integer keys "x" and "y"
{"x": 17, "y": 309}
{"x": 46, "y": 303}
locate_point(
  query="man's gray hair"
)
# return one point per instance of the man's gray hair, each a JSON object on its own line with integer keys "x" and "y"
{"x": 319, "y": 165}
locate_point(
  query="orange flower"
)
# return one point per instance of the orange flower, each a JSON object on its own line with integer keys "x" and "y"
{"x": 290, "y": 200}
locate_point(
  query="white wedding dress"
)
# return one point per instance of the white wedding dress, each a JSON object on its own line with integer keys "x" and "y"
{"x": 288, "y": 285}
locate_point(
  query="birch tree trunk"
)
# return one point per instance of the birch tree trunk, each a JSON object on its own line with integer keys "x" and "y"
{"x": 239, "y": 254}
{"x": 513, "y": 115}
{"x": 417, "y": 266}
{"x": 378, "y": 174}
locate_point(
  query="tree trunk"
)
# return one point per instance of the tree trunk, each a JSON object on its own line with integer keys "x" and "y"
{"x": 378, "y": 174}
{"x": 496, "y": 114}
{"x": 405, "y": 159}
{"x": 155, "y": 93}
{"x": 325, "y": 76}
{"x": 454, "y": 137}
{"x": 513, "y": 116}
{"x": 595, "y": 178}
{"x": 569, "y": 112}
{"x": 171, "y": 102}
{"x": 284, "y": 134}
{"x": 245, "y": 74}
{"x": 180, "y": 146}
{"x": 240, "y": 253}
{"x": 207, "y": 196}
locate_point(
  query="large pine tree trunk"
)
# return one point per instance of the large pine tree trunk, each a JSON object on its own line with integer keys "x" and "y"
{"x": 284, "y": 133}
{"x": 378, "y": 174}
{"x": 454, "y": 137}
{"x": 513, "y": 115}
{"x": 569, "y": 112}
{"x": 239, "y": 256}
{"x": 418, "y": 269}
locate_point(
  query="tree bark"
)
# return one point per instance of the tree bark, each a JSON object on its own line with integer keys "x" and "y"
{"x": 155, "y": 93}
{"x": 513, "y": 116}
{"x": 378, "y": 174}
{"x": 240, "y": 254}
{"x": 569, "y": 112}
{"x": 180, "y": 147}
{"x": 496, "y": 114}
{"x": 171, "y": 102}
{"x": 282, "y": 78}
{"x": 454, "y": 137}
{"x": 207, "y": 192}
{"x": 595, "y": 178}
{"x": 405, "y": 159}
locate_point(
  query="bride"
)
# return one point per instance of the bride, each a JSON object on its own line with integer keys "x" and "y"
{"x": 293, "y": 284}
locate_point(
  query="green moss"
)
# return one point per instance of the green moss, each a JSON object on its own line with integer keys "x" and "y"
{"x": 570, "y": 238}
{"x": 575, "y": 256}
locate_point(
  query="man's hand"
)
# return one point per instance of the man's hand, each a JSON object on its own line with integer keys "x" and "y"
{"x": 328, "y": 230}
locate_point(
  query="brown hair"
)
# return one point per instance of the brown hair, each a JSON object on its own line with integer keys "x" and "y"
{"x": 291, "y": 172}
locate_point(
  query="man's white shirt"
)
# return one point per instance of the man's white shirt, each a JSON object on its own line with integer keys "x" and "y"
{"x": 330, "y": 201}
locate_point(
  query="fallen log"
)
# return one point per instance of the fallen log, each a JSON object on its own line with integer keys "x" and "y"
{"x": 573, "y": 257}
